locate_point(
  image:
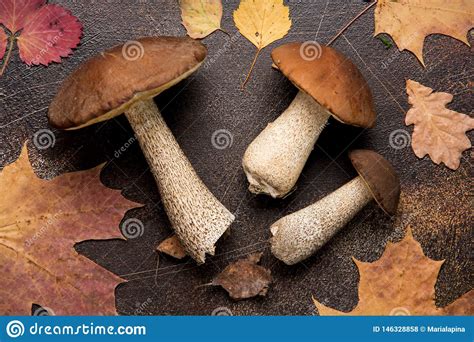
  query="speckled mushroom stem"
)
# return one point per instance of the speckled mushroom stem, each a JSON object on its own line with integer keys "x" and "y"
{"x": 274, "y": 160}
{"x": 297, "y": 236}
{"x": 197, "y": 216}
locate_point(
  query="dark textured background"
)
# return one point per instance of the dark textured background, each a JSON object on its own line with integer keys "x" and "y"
{"x": 435, "y": 200}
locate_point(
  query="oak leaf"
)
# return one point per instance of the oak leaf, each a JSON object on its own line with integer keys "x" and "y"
{"x": 40, "y": 222}
{"x": 401, "y": 282}
{"x": 262, "y": 23}
{"x": 439, "y": 131}
{"x": 44, "y": 32}
{"x": 409, "y": 22}
{"x": 244, "y": 278}
{"x": 173, "y": 247}
{"x": 201, "y": 17}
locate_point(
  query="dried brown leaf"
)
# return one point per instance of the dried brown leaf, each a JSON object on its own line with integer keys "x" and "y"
{"x": 40, "y": 222}
{"x": 410, "y": 21}
{"x": 439, "y": 131}
{"x": 401, "y": 282}
{"x": 244, "y": 278}
{"x": 172, "y": 247}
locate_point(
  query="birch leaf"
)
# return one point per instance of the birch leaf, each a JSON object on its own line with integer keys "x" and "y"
{"x": 201, "y": 17}
{"x": 262, "y": 23}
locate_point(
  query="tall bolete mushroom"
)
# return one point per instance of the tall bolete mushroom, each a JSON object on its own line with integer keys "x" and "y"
{"x": 329, "y": 84}
{"x": 120, "y": 81}
{"x": 297, "y": 236}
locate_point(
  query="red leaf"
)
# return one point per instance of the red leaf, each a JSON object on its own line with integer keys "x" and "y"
{"x": 14, "y": 13}
{"x": 3, "y": 43}
{"x": 49, "y": 34}
{"x": 40, "y": 223}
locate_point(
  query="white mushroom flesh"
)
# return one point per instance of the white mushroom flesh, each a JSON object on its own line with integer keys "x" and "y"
{"x": 274, "y": 160}
{"x": 197, "y": 216}
{"x": 299, "y": 235}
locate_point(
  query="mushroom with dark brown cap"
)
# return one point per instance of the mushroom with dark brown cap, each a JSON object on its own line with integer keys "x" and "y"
{"x": 112, "y": 83}
{"x": 330, "y": 85}
{"x": 297, "y": 236}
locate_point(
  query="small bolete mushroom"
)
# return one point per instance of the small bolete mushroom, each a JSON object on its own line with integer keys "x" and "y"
{"x": 329, "y": 85}
{"x": 297, "y": 236}
{"x": 120, "y": 81}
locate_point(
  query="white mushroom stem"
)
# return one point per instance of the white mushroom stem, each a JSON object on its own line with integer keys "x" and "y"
{"x": 274, "y": 160}
{"x": 197, "y": 216}
{"x": 297, "y": 236}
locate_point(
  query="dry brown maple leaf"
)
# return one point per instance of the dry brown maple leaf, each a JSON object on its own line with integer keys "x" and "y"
{"x": 40, "y": 222}
{"x": 173, "y": 247}
{"x": 410, "y": 21}
{"x": 439, "y": 131}
{"x": 244, "y": 278}
{"x": 401, "y": 282}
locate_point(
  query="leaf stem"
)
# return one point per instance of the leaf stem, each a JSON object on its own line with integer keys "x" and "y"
{"x": 11, "y": 41}
{"x": 251, "y": 68}
{"x": 350, "y": 22}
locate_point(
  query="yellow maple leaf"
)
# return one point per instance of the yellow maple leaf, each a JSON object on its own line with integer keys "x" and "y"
{"x": 439, "y": 131}
{"x": 262, "y": 23}
{"x": 401, "y": 282}
{"x": 201, "y": 17}
{"x": 410, "y": 21}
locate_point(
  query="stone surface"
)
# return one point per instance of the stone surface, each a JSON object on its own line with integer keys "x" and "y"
{"x": 435, "y": 200}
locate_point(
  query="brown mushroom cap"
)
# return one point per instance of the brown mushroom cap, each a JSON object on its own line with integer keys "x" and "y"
{"x": 331, "y": 79}
{"x": 380, "y": 177}
{"x": 107, "y": 84}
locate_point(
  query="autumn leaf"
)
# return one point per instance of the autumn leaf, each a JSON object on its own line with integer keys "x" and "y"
{"x": 40, "y": 222}
{"x": 410, "y": 21}
{"x": 173, "y": 247}
{"x": 401, "y": 282}
{"x": 3, "y": 43}
{"x": 201, "y": 17}
{"x": 439, "y": 131}
{"x": 262, "y": 23}
{"x": 46, "y": 32}
{"x": 244, "y": 278}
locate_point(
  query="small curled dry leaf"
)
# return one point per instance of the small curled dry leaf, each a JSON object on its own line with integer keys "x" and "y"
{"x": 172, "y": 247}
{"x": 244, "y": 278}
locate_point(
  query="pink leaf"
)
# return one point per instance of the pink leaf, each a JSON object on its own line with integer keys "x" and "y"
{"x": 14, "y": 13}
{"x": 49, "y": 34}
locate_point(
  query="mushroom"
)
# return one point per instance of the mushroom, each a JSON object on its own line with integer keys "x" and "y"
{"x": 121, "y": 80}
{"x": 297, "y": 236}
{"x": 329, "y": 85}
